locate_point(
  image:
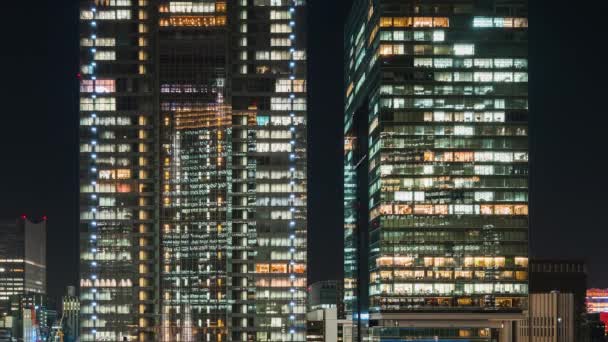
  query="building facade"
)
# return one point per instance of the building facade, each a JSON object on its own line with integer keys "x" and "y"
{"x": 551, "y": 318}
{"x": 22, "y": 259}
{"x": 193, "y": 170}
{"x": 436, "y": 168}
{"x": 564, "y": 276}
{"x": 325, "y": 325}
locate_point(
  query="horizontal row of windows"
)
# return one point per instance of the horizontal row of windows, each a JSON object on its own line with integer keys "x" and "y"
{"x": 481, "y": 63}
{"x": 452, "y": 142}
{"x": 440, "y": 248}
{"x": 415, "y": 235}
{"x": 441, "y": 116}
{"x": 105, "y": 15}
{"x": 414, "y": 22}
{"x": 192, "y": 7}
{"x": 500, "y": 22}
{"x": 459, "y": 170}
{"x": 278, "y": 202}
{"x": 102, "y": 104}
{"x": 275, "y": 120}
{"x": 85, "y": 42}
{"x": 459, "y": 157}
{"x": 505, "y": 88}
{"x": 427, "y": 49}
{"x": 194, "y": 21}
{"x": 452, "y": 222}
{"x": 447, "y": 289}
{"x": 396, "y": 35}
{"x": 478, "y": 104}
{"x": 280, "y": 55}
{"x": 477, "y": 196}
{"x": 280, "y": 268}
{"x": 449, "y": 209}
{"x": 491, "y": 262}
{"x": 444, "y": 275}
{"x": 447, "y": 182}
{"x": 107, "y": 148}
{"x": 487, "y": 130}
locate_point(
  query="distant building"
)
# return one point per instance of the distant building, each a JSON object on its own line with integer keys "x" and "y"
{"x": 326, "y": 294}
{"x": 22, "y": 259}
{"x": 325, "y": 318}
{"x": 593, "y": 328}
{"x": 597, "y": 303}
{"x": 70, "y": 308}
{"x": 29, "y": 317}
{"x": 324, "y": 325}
{"x": 565, "y": 276}
{"x": 550, "y": 319}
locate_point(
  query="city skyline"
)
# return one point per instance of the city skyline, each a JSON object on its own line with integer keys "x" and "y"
{"x": 59, "y": 197}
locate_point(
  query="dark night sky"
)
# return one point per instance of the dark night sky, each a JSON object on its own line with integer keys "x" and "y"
{"x": 568, "y": 73}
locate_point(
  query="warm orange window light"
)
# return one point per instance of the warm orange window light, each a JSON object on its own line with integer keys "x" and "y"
{"x": 403, "y": 22}
{"x": 349, "y": 144}
{"x": 415, "y": 22}
{"x": 386, "y": 49}
{"x": 262, "y": 268}
{"x": 194, "y": 21}
{"x": 220, "y": 7}
{"x": 386, "y": 22}
{"x": 299, "y": 268}
{"x": 123, "y": 188}
{"x": 278, "y": 268}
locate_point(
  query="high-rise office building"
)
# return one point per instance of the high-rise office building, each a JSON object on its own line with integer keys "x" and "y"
{"x": 436, "y": 168}
{"x": 193, "y": 170}
{"x": 22, "y": 259}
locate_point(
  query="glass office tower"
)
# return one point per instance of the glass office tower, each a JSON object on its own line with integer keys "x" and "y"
{"x": 436, "y": 168}
{"x": 193, "y": 170}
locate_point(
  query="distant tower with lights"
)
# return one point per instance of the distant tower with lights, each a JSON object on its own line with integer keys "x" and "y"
{"x": 22, "y": 259}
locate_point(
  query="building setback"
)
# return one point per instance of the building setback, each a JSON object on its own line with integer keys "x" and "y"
{"x": 193, "y": 170}
{"x": 436, "y": 168}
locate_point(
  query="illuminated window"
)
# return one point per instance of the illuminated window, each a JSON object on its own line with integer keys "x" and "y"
{"x": 279, "y": 15}
{"x": 194, "y": 21}
{"x": 423, "y": 22}
{"x": 190, "y": 7}
{"x": 262, "y": 268}
{"x": 464, "y": 49}
{"x": 99, "y": 86}
{"x": 280, "y": 42}
{"x": 384, "y": 22}
{"x": 438, "y": 36}
{"x": 278, "y": 268}
{"x": 105, "y": 55}
{"x": 280, "y": 28}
